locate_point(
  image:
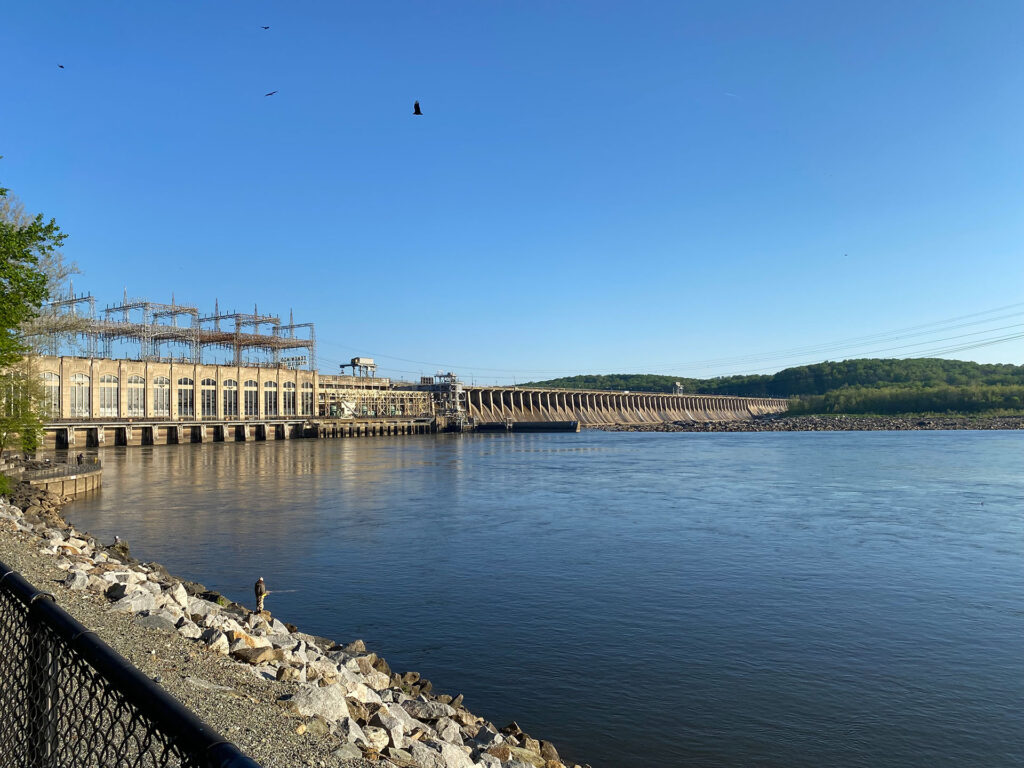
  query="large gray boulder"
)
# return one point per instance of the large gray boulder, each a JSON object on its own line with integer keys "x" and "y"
{"x": 455, "y": 756}
{"x": 178, "y": 594}
{"x": 348, "y": 730}
{"x": 365, "y": 694}
{"x": 427, "y": 710}
{"x": 377, "y": 738}
{"x": 348, "y": 752}
{"x": 76, "y": 580}
{"x": 187, "y": 629}
{"x": 203, "y": 608}
{"x": 291, "y": 674}
{"x": 328, "y": 702}
{"x": 135, "y": 602}
{"x": 122, "y": 577}
{"x": 120, "y": 589}
{"x": 377, "y": 680}
{"x": 258, "y": 655}
{"x": 215, "y": 640}
{"x": 449, "y": 730}
{"x": 395, "y": 725}
{"x": 158, "y": 621}
{"x": 425, "y": 757}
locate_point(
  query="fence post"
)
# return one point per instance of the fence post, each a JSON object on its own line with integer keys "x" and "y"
{"x": 42, "y": 691}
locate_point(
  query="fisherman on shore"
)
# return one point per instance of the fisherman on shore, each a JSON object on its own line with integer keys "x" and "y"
{"x": 261, "y": 592}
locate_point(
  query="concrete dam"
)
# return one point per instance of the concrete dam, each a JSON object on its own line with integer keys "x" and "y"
{"x": 93, "y": 402}
{"x": 267, "y": 386}
{"x": 597, "y": 408}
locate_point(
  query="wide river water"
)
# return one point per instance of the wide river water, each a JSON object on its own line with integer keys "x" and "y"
{"x": 639, "y": 599}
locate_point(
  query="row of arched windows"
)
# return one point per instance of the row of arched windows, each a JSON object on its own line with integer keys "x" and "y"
{"x": 80, "y": 397}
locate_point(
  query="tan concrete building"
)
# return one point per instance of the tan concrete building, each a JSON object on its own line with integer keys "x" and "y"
{"x": 145, "y": 402}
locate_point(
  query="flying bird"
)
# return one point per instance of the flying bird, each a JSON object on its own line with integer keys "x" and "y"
{"x": 264, "y": 27}
{"x": 416, "y": 108}
{"x": 60, "y": 66}
{"x": 270, "y": 94}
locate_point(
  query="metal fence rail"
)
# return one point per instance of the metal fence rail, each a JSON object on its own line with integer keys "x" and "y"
{"x": 68, "y": 699}
{"x": 63, "y": 469}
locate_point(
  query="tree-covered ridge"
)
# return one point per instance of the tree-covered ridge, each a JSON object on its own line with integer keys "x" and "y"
{"x": 902, "y": 399}
{"x": 818, "y": 379}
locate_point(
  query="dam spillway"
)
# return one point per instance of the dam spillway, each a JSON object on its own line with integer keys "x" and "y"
{"x": 602, "y": 408}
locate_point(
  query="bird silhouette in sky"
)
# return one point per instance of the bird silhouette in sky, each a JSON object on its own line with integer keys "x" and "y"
{"x": 416, "y": 108}
{"x": 270, "y": 94}
{"x": 60, "y": 66}
{"x": 264, "y": 27}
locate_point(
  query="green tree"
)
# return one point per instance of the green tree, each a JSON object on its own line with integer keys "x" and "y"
{"x": 40, "y": 328}
{"x": 23, "y": 284}
{"x": 27, "y": 245}
{"x": 21, "y": 392}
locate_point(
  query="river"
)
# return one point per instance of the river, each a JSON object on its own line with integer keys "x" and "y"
{"x": 639, "y": 599}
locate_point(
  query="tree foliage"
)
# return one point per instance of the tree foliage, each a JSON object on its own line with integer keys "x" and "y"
{"x": 903, "y": 399}
{"x": 20, "y": 394}
{"x": 23, "y": 284}
{"x": 28, "y": 247}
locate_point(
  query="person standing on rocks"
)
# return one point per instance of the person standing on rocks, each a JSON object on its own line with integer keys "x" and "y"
{"x": 261, "y": 592}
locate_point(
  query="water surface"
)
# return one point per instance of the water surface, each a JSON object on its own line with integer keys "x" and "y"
{"x": 760, "y": 599}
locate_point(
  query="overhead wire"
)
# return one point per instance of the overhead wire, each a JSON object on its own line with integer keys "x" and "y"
{"x": 852, "y": 346}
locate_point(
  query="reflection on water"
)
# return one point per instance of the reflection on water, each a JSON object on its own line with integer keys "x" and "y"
{"x": 640, "y": 599}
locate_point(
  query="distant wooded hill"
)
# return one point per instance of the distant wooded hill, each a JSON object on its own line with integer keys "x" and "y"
{"x": 851, "y": 386}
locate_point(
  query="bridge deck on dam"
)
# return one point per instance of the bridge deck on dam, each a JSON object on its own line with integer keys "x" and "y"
{"x": 595, "y": 407}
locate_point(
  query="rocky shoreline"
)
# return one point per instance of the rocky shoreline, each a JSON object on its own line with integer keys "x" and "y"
{"x": 836, "y": 423}
{"x": 284, "y": 697}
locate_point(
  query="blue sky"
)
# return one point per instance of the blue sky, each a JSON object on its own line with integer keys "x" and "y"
{"x": 684, "y": 188}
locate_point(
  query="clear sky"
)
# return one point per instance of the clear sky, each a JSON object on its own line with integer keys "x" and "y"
{"x": 594, "y": 187}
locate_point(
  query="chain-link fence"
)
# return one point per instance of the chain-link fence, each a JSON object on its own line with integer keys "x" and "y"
{"x": 67, "y": 699}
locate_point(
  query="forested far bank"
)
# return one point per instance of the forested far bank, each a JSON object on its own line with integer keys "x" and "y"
{"x": 871, "y": 385}
{"x": 896, "y": 400}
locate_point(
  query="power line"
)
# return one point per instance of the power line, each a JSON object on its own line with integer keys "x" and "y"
{"x": 918, "y": 352}
{"x": 852, "y": 346}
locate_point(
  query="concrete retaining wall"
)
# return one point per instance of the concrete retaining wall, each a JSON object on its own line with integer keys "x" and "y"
{"x": 71, "y": 485}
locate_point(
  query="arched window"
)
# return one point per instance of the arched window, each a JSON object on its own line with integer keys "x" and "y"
{"x": 80, "y": 396}
{"x": 288, "y": 398}
{"x": 230, "y": 387}
{"x": 135, "y": 396}
{"x": 252, "y": 398}
{"x": 51, "y": 394}
{"x": 270, "y": 398}
{"x": 186, "y": 398}
{"x": 307, "y": 399}
{"x": 108, "y": 395}
{"x": 208, "y": 398}
{"x": 161, "y": 396}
